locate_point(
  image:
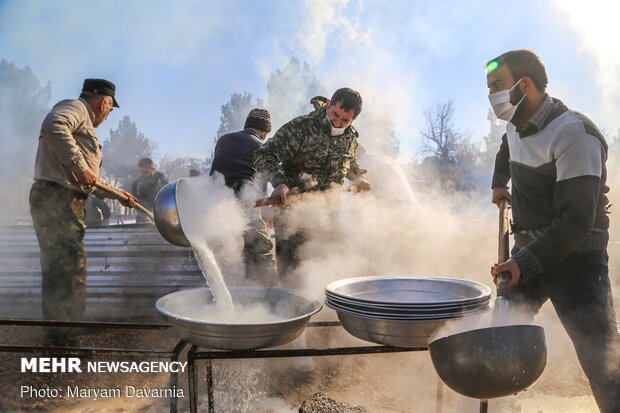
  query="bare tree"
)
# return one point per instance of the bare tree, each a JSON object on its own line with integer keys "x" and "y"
{"x": 441, "y": 141}
{"x": 448, "y": 153}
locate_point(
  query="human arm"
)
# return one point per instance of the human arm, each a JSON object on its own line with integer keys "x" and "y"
{"x": 105, "y": 190}
{"x": 511, "y": 267}
{"x": 281, "y": 191}
{"x": 86, "y": 177}
{"x": 500, "y": 193}
{"x": 501, "y": 174}
{"x": 355, "y": 172}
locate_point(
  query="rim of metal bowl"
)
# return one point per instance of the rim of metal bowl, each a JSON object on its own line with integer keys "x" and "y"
{"x": 405, "y": 318}
{"x": 331, "y": 287}
{"x": 412, "y": 306}
{"x": 159, "y": 305}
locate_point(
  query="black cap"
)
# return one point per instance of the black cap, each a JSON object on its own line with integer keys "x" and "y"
{"x": 258, "y": 119}
{"x": 101, "y": 87}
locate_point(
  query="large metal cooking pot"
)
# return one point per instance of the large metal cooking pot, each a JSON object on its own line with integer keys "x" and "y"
{"x": 292, "y": 311}
{"x": 167, "y": 215}
{"x": 491, "y": 362}
{"x": 496, "y": 361}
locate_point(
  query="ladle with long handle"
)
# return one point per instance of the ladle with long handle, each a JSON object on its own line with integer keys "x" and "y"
{"x": 495, "y": 361}
{"x": 120, "y": 195}
{"x": 501, "y": 311}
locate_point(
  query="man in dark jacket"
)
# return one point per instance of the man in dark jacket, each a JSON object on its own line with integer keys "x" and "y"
{"x": 233, "y": 158}
{"x": 146, "y": 186}
{"x": 555, "y": 158}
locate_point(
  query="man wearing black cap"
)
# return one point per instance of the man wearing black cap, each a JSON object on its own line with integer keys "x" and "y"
{"x": 233, "y": 158}
{"x": 67, "y": 165}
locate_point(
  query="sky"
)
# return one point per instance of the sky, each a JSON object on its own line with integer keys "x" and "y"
{"x": 175, "y": 63}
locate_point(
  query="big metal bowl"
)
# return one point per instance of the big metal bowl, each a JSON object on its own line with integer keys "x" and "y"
{"x": 397, "y": 333}
{"x": 402, "y": 310}
{"x": 291, "y": 309}
{"x": 411, "y": 291}
{"x": 167, "y": 215}
{"x": 409, "y": 315}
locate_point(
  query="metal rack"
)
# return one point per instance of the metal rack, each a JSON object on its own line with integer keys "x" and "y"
{"x": 195, "y": 354}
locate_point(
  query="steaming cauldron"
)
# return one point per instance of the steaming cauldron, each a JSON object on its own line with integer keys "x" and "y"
{"x": 292, "y": 311}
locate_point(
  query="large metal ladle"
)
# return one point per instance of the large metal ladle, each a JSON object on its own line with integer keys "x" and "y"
{"x": 497, "y": 361}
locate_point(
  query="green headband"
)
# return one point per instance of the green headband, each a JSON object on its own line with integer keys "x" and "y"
{"x": 492, "y": 66}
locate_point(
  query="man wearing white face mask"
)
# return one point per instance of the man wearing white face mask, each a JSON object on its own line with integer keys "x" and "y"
{"x": 555, "y": 158}
{"x": 310, "y": 153}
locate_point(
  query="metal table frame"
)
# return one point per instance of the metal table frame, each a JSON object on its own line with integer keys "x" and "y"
{"x": 194, "y": 355}
{"x": 171, "y": 354}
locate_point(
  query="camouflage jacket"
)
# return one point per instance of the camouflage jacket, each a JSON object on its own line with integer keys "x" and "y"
{"x": 303, "y": 155}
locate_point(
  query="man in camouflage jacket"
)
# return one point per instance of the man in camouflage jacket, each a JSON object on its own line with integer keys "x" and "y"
{"x": 314, "y": 152}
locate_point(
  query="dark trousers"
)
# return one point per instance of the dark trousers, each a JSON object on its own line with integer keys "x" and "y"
{"x": 58, "y": 218}
{"x": 287, "y": 256}
{"x": 260, "y": 264}
{"x": 580, "y": 292}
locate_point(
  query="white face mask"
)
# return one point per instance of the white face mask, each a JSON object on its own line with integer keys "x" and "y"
{"x": 500, "y": 102}
{"x": 335, "y": 131}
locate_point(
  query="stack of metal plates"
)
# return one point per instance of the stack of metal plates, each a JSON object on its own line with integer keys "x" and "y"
{"x": 404, "y": 311}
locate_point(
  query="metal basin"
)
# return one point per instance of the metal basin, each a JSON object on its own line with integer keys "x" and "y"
{"x": 411, "y": 291}
{"x": 167, "y": 215}
{"x": 400, "y": 310}
{"x": 404, "y": 311}
{"x": 290, "y": 309}
{"x": 397, "y": 333}
{"x": 402, "y": 315}
{"x": 491, "y": 362}
{"x": 417, "y": 307}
